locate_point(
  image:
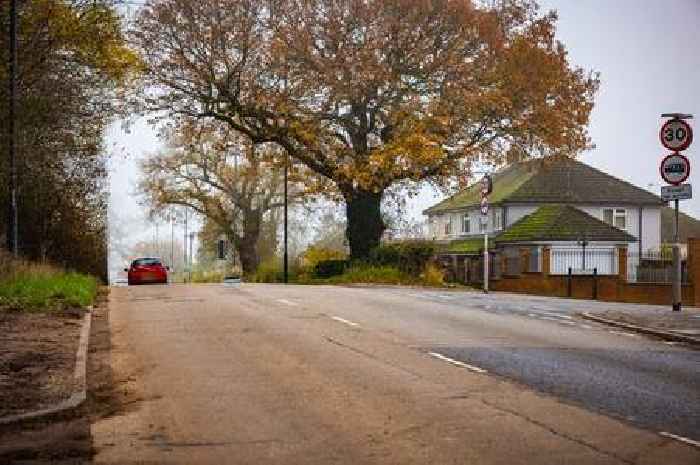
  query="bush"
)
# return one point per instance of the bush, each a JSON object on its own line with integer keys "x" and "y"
{"x": 433, "y": 275}
{"x": 202, "y": 276}
{"x": 364, "y": 273}
{"x": 269, "y": 271}
{"x": 410, "y": 257}
{"x": 314, "y": 255}
{"x": 330, "y": 268}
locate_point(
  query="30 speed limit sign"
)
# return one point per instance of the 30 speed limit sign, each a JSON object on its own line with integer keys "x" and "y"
{"x": 676, "y": 135}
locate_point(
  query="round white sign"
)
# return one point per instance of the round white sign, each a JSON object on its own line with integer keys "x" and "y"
{"x": 484, "y": 205}
{"x": 675, "y": 168}
{"x": 676, "y": 135}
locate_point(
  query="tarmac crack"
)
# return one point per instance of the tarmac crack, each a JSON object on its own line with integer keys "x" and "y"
{"x": 372, "y": 357}
{"x": 557, "y": 433}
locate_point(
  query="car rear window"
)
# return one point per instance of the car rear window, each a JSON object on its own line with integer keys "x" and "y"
{"x": 146, "y": 262}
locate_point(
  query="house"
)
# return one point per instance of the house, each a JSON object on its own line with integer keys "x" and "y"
{"x": 522, "y": 189}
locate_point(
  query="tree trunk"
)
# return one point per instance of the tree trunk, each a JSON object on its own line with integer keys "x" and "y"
{"x": 248, "y": 254}
{"x": 365, "y": 224}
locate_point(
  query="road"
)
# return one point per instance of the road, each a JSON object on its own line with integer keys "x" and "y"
{"x": 315, "y": 374}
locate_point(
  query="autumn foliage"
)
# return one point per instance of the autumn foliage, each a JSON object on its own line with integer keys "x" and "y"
{"x": 370, "y": 93}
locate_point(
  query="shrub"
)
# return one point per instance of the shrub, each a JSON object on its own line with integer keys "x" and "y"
{"x": 314, "y": 255}
{"x": 330, "y": 268}
{"x": 410, "y": 257}
{"x": 364, "y": 273}
{"x": 202, "y": 276}
{"x": 433, "y": 275}
{"x": 269, "y": 271}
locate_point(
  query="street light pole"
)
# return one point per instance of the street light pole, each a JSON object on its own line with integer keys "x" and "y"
{"x": 286, "y": 257}
{"x": 12, "y": 224}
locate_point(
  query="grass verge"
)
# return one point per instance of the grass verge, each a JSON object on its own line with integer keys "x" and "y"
{"x": 46, "y": 288}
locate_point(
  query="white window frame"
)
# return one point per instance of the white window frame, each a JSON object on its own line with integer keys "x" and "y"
{"x": 483, "y": 224}
{"x": 466, "y": 221}
{"x": 497, "y": 219}
{"x": 617, "y": 213}
{"x": 448, "y": 226}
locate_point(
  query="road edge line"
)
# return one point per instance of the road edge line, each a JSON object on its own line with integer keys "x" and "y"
{"x": 665, "y": 335}
{"x": 79, "y": 376}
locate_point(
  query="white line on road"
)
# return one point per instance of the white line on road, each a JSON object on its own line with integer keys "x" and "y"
{"x": 457, "y": 363}
{"x": 558, "y": 315}
{"x": 344, "y": 321}
{"x": 288, "y": 302}
{"x": 680, "y": 438}
{"x": 622, "y": 333}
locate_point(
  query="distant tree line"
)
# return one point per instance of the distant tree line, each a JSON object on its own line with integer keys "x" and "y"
{"x": 73, "y": 61}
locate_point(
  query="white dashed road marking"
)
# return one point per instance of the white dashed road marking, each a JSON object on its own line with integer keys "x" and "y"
{"x": 622, "y": 333}
{"x": 457, "y": 363}
{"x": 288, "y": 302}
{"x": 681, "y": 439}
{"x": 344, "y": 321}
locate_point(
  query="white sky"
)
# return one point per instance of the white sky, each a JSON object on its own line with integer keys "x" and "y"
{"x": 648, "y": 54}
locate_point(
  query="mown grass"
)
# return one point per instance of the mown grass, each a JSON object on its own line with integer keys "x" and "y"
{"x": 25, "y": 286}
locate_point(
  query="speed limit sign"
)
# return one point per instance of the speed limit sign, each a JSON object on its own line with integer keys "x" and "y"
{"x": 676, "y": 135}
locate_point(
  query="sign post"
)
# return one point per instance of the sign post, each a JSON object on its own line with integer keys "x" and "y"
{"x": 677, "y": 135}
{"x": 486, "y": 188}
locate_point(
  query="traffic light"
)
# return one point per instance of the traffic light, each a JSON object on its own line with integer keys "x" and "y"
{"x": 221, "y": 255}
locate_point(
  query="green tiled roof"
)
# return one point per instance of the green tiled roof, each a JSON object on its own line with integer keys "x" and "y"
{"x": 562, "y": 223}
{"x": 560, "y": 180}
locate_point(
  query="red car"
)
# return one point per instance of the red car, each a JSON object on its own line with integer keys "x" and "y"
{"x": 147, "y": 270}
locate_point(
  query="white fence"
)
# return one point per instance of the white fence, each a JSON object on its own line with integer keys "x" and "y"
{"x": 604, "y": 260}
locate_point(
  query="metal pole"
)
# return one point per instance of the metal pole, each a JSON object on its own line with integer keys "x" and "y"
{"x": 172, "y": 241}
{"x": 676, "y": 266}
{"x": 486, "y": 263}
{"x": 191, "y": 242}
{"x": 286, "y": 257}
{"x": 184, "y": 244}
{"x": 12, "y": 224}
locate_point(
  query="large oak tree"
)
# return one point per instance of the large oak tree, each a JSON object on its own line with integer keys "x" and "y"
{"x": 370, "y": 93}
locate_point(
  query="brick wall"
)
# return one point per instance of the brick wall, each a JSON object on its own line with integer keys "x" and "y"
{"x": 607, "y": 288}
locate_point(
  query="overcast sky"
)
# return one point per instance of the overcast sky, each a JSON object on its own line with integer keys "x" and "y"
{"x": 648, "y": 55}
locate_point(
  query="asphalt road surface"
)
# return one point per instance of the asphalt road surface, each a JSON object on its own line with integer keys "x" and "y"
{"x": 314, "y": 375}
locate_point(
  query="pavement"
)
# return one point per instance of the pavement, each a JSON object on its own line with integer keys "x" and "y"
{"x": 318, "y": 374}
{"x": 655, "y": 318}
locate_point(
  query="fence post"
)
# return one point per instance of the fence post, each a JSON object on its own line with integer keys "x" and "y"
{"x": 545, "y": 260}
{"x": 595, "y": 283}
{"x": 622, "y": 263}
{"x": 694, "y": 268}
{"x": 568, "y": 283}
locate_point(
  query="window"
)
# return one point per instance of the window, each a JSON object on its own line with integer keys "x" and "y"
{"x": 466, "y": 224}
{"x": 497, "y": 220}
{"x": 615, "y": 217}
{"x": 483, "y": 223}
{"x": 448, "y": 226}
{"x": 534, "y": 264}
